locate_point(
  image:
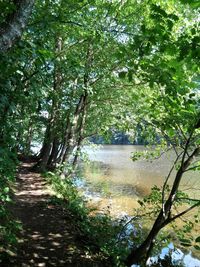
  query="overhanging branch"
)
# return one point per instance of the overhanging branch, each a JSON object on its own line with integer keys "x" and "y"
{"x": 169, "y": 220}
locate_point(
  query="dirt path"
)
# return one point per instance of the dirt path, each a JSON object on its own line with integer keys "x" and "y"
{"x": 49, "y": 236}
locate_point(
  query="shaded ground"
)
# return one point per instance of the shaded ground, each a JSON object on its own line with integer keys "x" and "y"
{"x": 49, "y": 236}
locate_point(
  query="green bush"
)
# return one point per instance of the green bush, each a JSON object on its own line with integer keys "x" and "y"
{"x": 111, "y": 237}
{"x": 100, "y": 232}
{"x": 8, "y": 226}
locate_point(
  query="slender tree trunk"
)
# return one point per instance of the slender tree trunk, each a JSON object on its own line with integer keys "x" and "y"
{"x": 65, "y": 142}
{"x": 80, "y": 139}
{"x": 68, "y": 128}
{"x": 73, "y": 129}
{"x": 78, "y": 150}
{"x": 68, "y": 149}
{"x": 29, "y": 138}
{"x": 46, "y": 154}
{"x": 45, "y": 142}
{"x": 140, "y": 254}
{"x": 63, "y": 150}
{"x": 48, "y": 150}
{"x": 54, "y": 152}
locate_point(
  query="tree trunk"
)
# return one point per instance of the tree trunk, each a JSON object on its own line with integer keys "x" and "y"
{"x": 65, "y": 145}
{"x": 48, "y": 150}
{"x": 54, "y": 152}
{"x": 80, "y": 139}
{"x": 71, "y": 139}
{"x": 15, "y": 23}
{"x": 66, "y": 140}
{"x": 46, "y": 154}
{"x": 29, "y": 139}
{"x": 75, "y": 128}
{"x": 142, "y": 252}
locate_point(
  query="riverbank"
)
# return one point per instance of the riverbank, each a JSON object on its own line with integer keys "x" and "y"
{"x": 59, "y": 229}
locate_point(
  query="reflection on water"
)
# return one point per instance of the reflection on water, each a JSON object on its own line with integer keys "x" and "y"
{"x": 115, "y": 183}
{"x": 122, "y": 182}
{"x": 177, "y": 256}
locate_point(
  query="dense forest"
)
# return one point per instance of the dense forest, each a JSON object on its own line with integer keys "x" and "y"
{"x": 73, "y": 70}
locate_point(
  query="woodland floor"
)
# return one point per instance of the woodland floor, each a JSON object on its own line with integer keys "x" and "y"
{"x": 49, "y": 235}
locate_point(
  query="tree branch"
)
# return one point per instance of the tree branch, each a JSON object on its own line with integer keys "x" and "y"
{"x": 169, "y": 220}
{"x": 192, "y": 168}
{"x": 189, "y": 199}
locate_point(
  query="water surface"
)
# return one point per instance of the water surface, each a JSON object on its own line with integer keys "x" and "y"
{"x": 114, "y": 183}
{"x": 121, "y": 182}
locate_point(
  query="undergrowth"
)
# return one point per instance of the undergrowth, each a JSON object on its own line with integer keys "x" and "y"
{"x": 8, "y": 226}
{"x": 101, "y": 232}
{"x": 112, "y": 238}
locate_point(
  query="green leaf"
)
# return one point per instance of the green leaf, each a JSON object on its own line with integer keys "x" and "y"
{"x": 130, "y": 76}
{"x": 122, "y": 74}
{"x": 197, "y": 239}
{"x": 6, "y": 190}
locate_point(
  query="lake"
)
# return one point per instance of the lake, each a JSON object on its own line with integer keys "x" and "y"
{"x": 114, "y": 183}
{"x": 119, "y": 182}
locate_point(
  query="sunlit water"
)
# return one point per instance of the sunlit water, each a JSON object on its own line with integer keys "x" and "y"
{"x": 121, "y": 182}
{"x": 115, "y": 183}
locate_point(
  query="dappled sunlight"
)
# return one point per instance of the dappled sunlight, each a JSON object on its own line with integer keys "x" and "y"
{"x": 31, "y": 187}
{"x": 49, "y": 237}
{"x": 42, "y": 241}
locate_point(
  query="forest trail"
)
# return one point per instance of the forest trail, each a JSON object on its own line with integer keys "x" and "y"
{"x": 49, "y": 236}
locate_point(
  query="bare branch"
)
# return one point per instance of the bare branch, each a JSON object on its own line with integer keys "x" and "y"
{"x": 169, "y": 220}
{"x": 124, "y": 226}
{"x": 192, "y": 168}
{"x": 189, "y": 199}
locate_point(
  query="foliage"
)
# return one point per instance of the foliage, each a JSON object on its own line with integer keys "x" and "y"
{"x": 93, "y": 67}
{"x": 8, "y": 226}
{"x": 153, "y": 203}
{"x": 99, "y": 231}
